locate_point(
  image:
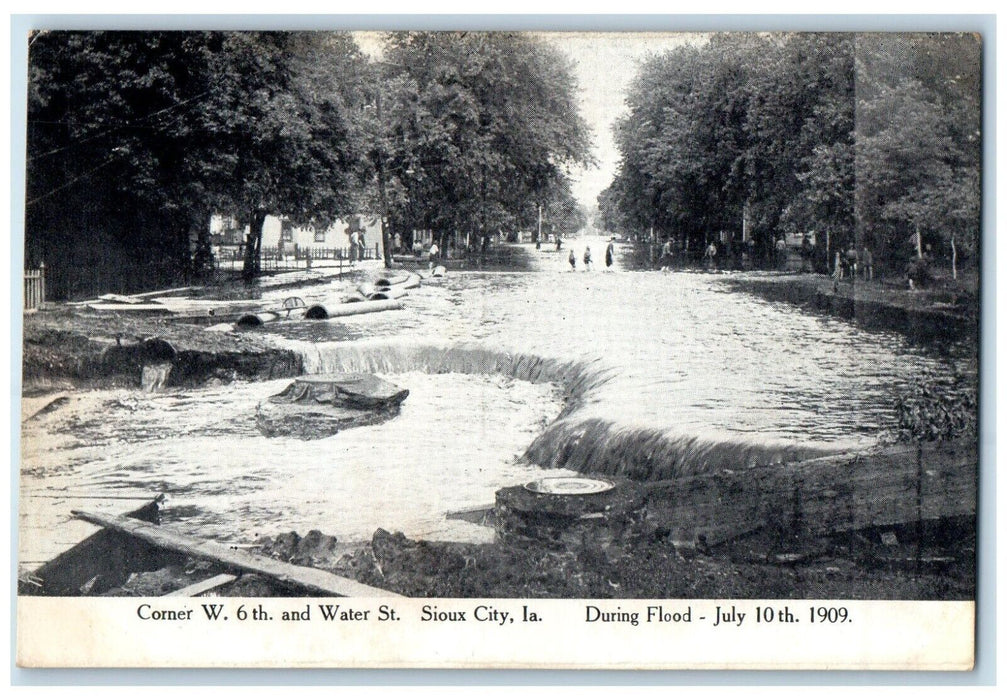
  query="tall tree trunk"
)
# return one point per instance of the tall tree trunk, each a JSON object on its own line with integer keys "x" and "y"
{"x": 954, "y": 258}
{"x": 253, "y": 262}
{"x": 199, "y": 236}
{"x": 386, "y": 233}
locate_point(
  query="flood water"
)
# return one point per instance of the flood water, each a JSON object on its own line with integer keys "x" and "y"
{"x": 578, "y": 366}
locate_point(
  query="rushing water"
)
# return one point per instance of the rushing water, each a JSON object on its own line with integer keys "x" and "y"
{"x": 645, "y": 373}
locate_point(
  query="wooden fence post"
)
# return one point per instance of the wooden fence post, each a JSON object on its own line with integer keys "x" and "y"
{"x": 34, "y": 288}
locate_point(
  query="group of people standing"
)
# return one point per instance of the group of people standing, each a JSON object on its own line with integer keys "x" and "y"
{"x": 588, "y": 260}
{"x": 851, "y": 262}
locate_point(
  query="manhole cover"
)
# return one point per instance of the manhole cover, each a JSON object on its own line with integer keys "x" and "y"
{"x": 569, "y": 486}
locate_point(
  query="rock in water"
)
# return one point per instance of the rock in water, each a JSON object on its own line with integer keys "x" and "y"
{"x": 321, "y": 405}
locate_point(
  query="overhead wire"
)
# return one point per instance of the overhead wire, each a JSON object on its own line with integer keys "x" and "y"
{"x": 119, "y": 127}
{"x": 70, "y": 182}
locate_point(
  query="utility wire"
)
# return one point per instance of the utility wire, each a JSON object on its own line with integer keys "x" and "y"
{"x": 112, "y": 129}
{"x": 70, "y": 182}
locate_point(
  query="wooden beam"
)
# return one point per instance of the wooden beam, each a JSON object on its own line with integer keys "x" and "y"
{"x": 314, "y": 580}
{"x": 202, "y": 587}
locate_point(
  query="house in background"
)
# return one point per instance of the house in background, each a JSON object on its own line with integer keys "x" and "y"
{"x": 224, "y": 230}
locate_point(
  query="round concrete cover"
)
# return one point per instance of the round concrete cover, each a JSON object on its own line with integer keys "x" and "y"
{"x": 569, "y": 486}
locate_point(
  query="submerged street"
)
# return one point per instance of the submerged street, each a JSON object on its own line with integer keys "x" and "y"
{"x": 725, "y": 379}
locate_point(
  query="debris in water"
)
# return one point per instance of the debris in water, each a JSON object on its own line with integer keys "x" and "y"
{"x": 321, "y": 405}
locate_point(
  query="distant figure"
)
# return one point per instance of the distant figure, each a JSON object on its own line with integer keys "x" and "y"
{"x": 559, "y": 242}
{"x": 710, "y": 256}
{"x": 852, "y": 259}
{"x": 837, "y": 268}
{"x": 867, "y": 263}
{"x": 666, "y": 255}
{"x": 781, "y": 253}
{"x": 807, "y": 252}
{"x": 610, "y": 253}
{"x": 354, "y": 246}
{"x": 363, "y": 245}
{"x": 587, "y": 259}
{"x": 572, "y": 260}
{"x": 434, "y": 252}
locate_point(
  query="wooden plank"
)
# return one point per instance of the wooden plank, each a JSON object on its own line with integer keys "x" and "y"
{"x": 314, "y": 580}
{"x": 203, "y": 586}
{"x": 827, "y": 495}
{"x": 130, "y": 308}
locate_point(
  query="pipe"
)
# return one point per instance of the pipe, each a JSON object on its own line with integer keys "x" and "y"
{"x": 257, "y": 319}
{"x": 335, "y": 309}
{"x": 387, "y": 293}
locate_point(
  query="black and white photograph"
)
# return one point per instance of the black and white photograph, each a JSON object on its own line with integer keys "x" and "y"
{"x": 522, "y": 337}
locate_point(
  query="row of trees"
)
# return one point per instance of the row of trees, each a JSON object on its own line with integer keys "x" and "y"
{"x": 136, "y": 138}
{"x": 865, "y": 139}
{"x": 483, "y": 129}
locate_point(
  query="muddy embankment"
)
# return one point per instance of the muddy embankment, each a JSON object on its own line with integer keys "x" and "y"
{"x": 921, "y": 315}
{"x": 819, "y": 528}
{"x": 68, "y": 348}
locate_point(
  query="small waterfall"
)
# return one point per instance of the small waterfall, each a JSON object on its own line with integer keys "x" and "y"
{"x": 600, "y": 446}
{"x": 153, "y": 377}
{"x": 575, "y": 440}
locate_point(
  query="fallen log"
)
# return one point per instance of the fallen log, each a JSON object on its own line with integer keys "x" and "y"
{"x": 313, "y": 580}
{"x": 822, "y": 496}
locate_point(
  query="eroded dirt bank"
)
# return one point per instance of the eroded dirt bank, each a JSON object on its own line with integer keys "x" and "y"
{"x": 67, "y": 348}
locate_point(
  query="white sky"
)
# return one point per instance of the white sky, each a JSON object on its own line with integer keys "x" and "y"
{"x": 605, "y": 66}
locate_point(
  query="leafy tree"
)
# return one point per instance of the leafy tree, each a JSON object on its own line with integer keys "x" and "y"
{"x": 744, "y": 126}
{"x": 873, "y": 140}
{"x": 108, "y": 177}
{"x": 481, "y": 128}
{"x": 918, "y": 151}
{"x": 134, "y": 138}
{"x": 281, "y": 114}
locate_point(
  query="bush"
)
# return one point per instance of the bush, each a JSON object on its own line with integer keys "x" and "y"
{"x": 919, "y": 272}
{"x": 933, "y": 408}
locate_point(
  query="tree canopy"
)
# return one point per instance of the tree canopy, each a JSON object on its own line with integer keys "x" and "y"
{"x": 862, "y": 137}
{"x": 135, "y": 138}
{"x": 139, "y": 136}
{"x": 482, "y": 129}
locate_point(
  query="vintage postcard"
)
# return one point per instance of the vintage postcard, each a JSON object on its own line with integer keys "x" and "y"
{"x": 440, "y": 349}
